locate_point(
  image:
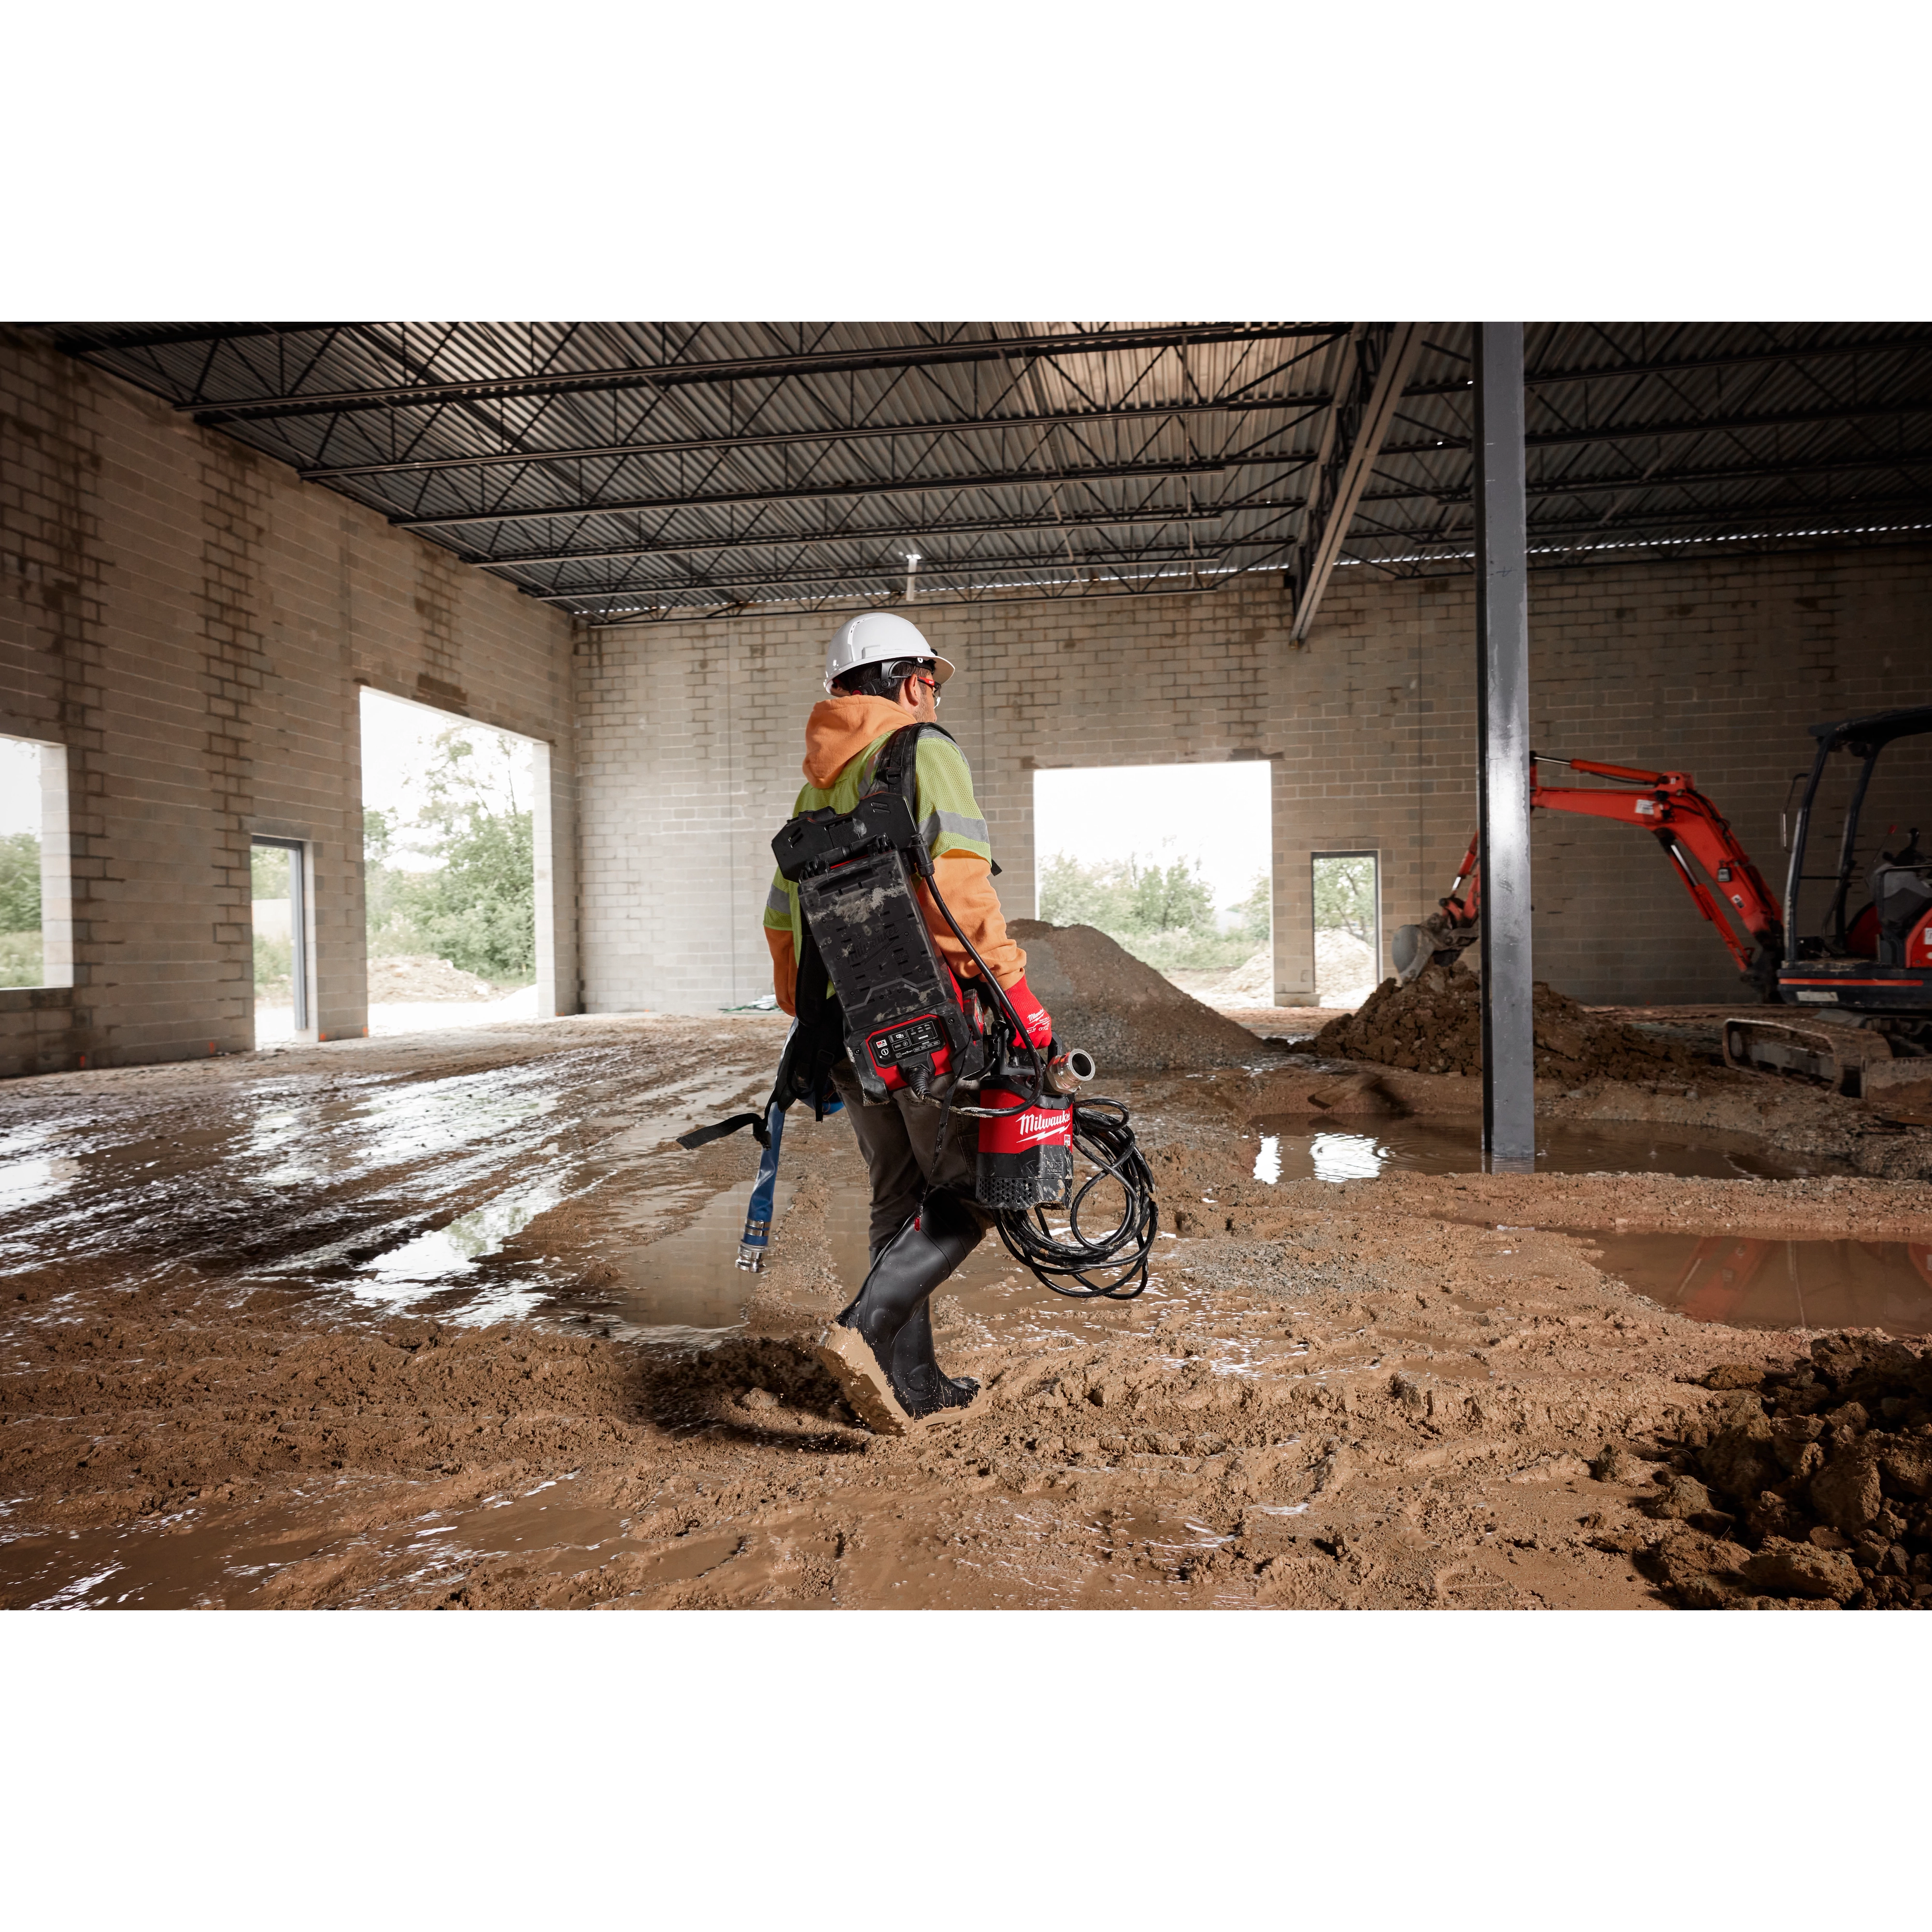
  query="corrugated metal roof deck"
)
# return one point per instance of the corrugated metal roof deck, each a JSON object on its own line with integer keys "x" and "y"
{"x": 623, "y": 470}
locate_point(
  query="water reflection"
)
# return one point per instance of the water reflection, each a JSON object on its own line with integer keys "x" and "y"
{"x": 1294, "y": 1148}
{"x": 23, "y": 1184}
{"x": 455, "y": 1249}
{"x": 687, "y": 1284}
{"x": 1752, "y": 1281}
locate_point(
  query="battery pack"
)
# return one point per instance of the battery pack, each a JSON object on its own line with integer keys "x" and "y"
{"x": 904, "y": 1023}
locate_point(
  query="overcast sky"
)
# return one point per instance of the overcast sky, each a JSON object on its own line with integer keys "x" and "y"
{"x": 1216, "y": 815}
{"x": 19, "y": 786}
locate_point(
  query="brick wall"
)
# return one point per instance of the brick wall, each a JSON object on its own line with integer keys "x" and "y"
{"x": 194, "y": 626}
{"x": 690, "y": 735}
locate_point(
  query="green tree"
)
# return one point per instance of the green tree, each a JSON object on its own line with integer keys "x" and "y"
{"x": 1162, "y": 914}
{"x": 1344, "y": 897}
{"x": 1256, "y": 912}
{"x": 19, "y": 883}
{"x": 477, "y": 908}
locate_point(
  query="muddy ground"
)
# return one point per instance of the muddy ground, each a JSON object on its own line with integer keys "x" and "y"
{"x": 452, "y": 1322}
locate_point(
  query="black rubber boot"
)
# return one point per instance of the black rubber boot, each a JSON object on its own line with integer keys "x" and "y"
{"x": 860, "y": 1346}
{"x": 920, "y": 1384}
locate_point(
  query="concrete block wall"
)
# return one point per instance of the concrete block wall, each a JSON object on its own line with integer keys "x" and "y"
{"x": 691, "y": 733}
{"x": 195, "y": 627}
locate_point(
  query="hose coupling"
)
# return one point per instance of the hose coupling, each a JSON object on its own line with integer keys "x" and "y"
{"x": 1066, "y": 1072}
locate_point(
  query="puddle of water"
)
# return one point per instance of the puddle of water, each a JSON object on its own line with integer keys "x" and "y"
{"x": 24, "y": 1183}
{"x": 1291, "y": 1148}
{"x": 227, "y": 1556}
{"x": 689, "y": 1282}
{"x": 454, "y": 1250}
{"x": 1750, "y": 1281}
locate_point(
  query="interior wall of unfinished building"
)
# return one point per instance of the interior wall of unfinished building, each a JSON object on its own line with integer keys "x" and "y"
{"x": 690, "y": 736}
{"x": 194, "y": 626}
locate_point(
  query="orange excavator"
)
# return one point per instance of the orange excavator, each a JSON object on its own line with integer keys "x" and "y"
{"x": 1689, "y": 827}
{"x": 1855, "y": 988}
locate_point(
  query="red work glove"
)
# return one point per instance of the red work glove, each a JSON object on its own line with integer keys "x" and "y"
{"x": 1035, "y": 1020}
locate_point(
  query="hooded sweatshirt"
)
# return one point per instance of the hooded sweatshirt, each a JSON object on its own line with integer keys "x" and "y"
{"x": 843, "y": 738}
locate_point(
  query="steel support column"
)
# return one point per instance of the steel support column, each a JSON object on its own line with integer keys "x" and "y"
{"x": 1502, "y": 715}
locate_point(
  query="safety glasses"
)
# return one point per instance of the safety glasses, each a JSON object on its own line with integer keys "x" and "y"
{"x": 920, "y": 670}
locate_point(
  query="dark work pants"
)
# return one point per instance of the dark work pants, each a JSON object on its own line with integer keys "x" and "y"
{"x": 898, "y": 1140}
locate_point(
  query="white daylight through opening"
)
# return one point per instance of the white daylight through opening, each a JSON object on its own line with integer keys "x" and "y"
{"x": 36, "y": 917}
{"x": 1345, "y": 891}
{"x": 449, "y": 868}
{"x": 1172, "y": 861}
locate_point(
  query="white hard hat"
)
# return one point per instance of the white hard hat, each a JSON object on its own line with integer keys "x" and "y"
{"x": 878, "y": 637}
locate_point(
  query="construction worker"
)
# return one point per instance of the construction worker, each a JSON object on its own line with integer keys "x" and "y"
{"x": 881, "y": 675}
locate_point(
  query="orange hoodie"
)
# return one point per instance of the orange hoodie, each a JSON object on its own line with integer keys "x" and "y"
{"x": 839, "y": 731}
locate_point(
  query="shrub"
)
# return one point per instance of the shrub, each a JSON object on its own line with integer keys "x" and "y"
{"x": 478, "y": 908}
{"x": 20, "y": 885}
{"x": 1162, "y": 914}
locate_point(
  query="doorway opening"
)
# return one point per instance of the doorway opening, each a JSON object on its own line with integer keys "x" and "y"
{"x": 278, "y": 872}
{"x": 449, "y": 871}
{"x": 1173, "y": 862}
{"x": 1347, "y": 898}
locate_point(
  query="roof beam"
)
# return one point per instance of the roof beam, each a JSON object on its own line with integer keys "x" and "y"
{"x": 1538, "y": 378}
{"x": 1148, "y": 413}
{"x": 1382, "y": 355}
{"x": 882, "y": 486}
{"x": 894, "y": 571}
{"x": 1687, "y": 426}
{"x": 1541, "y": 529}
{"x": 1659, "y": 479}
{"x": 80, "y": 341}
{"x": 810, "y": 362}
{"x": 926, "y": 533}
{"x": 700, "y": 445}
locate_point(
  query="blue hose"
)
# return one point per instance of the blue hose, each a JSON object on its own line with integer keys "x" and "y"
{"x": 757, "y": 1235}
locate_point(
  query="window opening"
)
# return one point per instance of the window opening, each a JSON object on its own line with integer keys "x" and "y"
{"x": 1173, "y": 862}
{"x": 279, "y": 907}
{"x": 21, "y": 958}
{"x": 1347, "y": 900}
{"x": 449, "y": 875}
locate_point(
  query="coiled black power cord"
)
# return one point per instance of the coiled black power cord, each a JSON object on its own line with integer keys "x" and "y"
{"x": 1102, "y": 1134}
{"x": 1110, "y": 1263}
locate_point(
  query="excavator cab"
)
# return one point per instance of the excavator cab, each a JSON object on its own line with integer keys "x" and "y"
{"x": 1876, "y": 961}
{"x": 1860, "y": 981}
{"x": 1901, "y": 898}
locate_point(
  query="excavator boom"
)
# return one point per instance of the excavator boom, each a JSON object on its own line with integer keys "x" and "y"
{"x": 1732, "y": 894}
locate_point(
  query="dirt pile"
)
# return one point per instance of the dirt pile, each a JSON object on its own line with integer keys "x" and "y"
{"x": 413, "y": 977}
{"x": 1810, "y": 1483}
{"x": 1344, "y": 968}
{"x": 1122, "y": 1011}
{"x": 1434, "y": 1026}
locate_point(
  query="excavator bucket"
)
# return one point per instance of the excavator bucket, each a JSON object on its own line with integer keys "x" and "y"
{"x": 1411, "y": 950}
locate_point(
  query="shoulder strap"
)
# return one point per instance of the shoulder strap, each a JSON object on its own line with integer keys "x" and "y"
{"x": 896, "y": 767}
{"x": 817, "y": 1042}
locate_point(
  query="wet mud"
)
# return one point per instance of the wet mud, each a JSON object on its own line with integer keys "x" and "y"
{"x": 452, "y": 1324}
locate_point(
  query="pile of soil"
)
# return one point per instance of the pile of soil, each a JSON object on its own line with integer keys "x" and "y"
{"x": 1344, "y": 968}
{"x": 1435, "y": 1026}
{"x": 1249, "y": 984}
{"x": 1814, "y": 1484}
{"x": 413, "y": 976}
{"x": 1123, "y": 1013}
